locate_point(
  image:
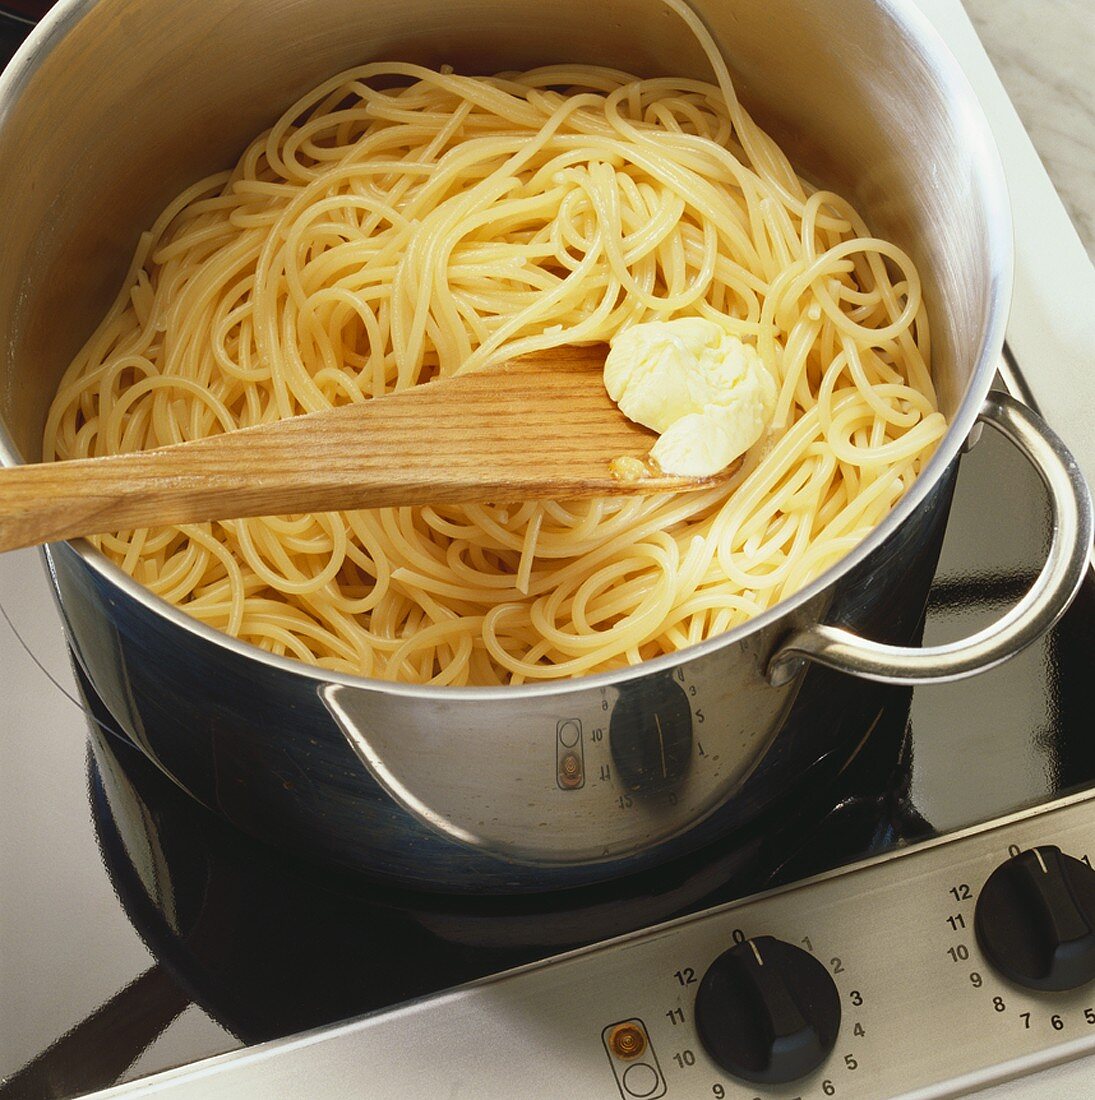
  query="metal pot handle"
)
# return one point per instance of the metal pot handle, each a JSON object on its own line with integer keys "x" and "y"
{"x": 1031, "y": 617}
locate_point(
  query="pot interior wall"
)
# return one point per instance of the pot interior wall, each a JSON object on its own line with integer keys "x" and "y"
{"x": 138, "y": 98}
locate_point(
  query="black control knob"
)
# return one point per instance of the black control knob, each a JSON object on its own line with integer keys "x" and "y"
{"x": 767, "y": 1011}
{"x": 1035, "y": 919}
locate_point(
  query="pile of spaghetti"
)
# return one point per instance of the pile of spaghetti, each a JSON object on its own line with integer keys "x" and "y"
{"x": 400, "y": 223}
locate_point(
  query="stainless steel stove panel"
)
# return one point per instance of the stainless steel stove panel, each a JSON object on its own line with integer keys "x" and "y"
{"x": 924, "y": 1015}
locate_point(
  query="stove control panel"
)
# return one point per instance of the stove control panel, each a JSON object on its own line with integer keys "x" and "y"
{"x": 928, "y": 972}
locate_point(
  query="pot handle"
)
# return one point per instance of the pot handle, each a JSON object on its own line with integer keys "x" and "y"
{"x": 1029, "y": 619}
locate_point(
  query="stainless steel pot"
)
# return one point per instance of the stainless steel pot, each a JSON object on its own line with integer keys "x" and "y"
{"x": 112, "y": 106}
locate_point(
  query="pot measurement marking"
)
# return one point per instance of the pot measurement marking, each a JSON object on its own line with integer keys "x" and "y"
{"x": 570, "y": 770}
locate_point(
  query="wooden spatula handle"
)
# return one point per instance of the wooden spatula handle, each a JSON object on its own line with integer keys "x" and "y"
{"x": 477, "y": 437}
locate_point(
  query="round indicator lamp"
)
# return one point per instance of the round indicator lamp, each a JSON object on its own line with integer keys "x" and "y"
{"x": 627, "y": 1041}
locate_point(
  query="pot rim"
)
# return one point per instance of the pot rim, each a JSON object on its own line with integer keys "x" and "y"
{"x": 989, "y": 174}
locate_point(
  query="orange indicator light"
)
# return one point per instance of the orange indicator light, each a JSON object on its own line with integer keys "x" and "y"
{"x": 627, "y": 1041}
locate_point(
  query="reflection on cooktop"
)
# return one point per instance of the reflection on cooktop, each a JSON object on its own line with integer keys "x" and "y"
{"x": 271, "y": 944}
{"x": 1020, "y": 734}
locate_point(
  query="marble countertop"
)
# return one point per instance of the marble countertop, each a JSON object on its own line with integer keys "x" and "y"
{"x": 1042, "y": 50}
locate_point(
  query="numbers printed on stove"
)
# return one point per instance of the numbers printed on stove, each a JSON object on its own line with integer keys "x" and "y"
{"x": 1056, "y": 1021}
{"x": 843, "y": 1062}
{"x": 960, "y": 952}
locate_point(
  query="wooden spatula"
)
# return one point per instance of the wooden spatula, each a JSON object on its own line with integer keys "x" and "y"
{"x": 540, "y": 427}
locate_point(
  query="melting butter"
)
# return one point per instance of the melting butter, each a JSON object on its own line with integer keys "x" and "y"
{"x": 706, "y": 392}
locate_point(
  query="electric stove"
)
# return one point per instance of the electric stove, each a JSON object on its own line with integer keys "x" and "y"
{"x": 145, "y": 945}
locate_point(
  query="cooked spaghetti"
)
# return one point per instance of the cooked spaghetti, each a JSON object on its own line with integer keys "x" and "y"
{"x": 400, "y": 223}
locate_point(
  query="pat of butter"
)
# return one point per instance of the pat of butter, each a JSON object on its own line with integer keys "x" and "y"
{"x": 709, "y": 395}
